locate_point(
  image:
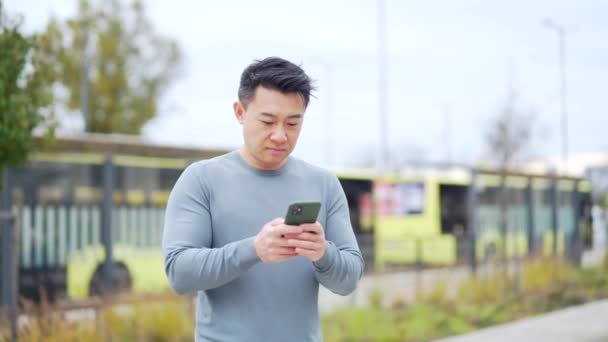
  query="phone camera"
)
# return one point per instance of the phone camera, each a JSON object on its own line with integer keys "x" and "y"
{"x": 296, "y": 210}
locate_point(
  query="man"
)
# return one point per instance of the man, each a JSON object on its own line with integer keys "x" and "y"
{"x": 224, "y": 237}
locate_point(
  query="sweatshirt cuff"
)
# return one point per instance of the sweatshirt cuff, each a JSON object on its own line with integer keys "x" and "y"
{"x": 245, "y": 253}
{"x": 327, "y": 259}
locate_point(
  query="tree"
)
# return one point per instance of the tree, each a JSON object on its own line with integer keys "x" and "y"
{"x": 508, "y": 137}
{"x": 112, "y": 64}
{"x": 25, "y": 95}
{"x": 509, "y": 133}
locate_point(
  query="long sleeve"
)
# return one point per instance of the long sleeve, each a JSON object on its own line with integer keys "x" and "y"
{"x": 190, "y": 262}
{"x": 342, "y": 266}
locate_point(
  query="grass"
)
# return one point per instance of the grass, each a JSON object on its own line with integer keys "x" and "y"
{"x": 544, "y": 285}
{"x": 165, "y": 318}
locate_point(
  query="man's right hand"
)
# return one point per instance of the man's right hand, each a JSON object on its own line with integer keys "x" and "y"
{"x": 271, "y": 244}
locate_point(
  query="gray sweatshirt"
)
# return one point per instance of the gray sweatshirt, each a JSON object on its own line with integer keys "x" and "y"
{"x": 214, "y": 212}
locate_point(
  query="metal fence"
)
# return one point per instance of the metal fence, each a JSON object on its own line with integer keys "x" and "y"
{"x": 9, "y": 252}
{"x": 8, "y": 272}
{"x": 528, "y": 220}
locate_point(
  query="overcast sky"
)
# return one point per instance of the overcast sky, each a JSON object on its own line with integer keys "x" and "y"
{"x": 450, "y": 64}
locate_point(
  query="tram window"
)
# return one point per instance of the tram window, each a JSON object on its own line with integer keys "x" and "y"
{"x": 488, "y": 196}
{"x": 355, "y": 191}
{"x": 168, "y": 177}
{"x": 453, "y": 199}
{"x": 566, "y": 199}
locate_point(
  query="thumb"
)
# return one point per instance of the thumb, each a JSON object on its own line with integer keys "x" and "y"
{"x": 277, "y": 221}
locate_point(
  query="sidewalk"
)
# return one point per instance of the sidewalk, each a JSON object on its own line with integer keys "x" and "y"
{"x": 583, "y": 323}
{"x": 395, "y": 286}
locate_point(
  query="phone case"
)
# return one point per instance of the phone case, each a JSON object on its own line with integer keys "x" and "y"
{"x": 302, "y": 212}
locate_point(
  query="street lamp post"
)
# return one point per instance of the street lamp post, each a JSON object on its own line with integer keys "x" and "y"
{"x": 331, "y": 132}
{"x": 561, "y": 33}
{"x": 84, "y": 75}
{"x": 383, "y": 155}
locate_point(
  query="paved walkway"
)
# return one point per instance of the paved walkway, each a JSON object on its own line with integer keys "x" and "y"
{"x": 397, "y": 286}
{"x": 583, "y": 323}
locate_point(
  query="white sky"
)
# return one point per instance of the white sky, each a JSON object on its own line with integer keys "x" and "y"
{"x": 450, "y": 63}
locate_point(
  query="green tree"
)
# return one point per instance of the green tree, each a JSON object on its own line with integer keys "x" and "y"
{"x": 128, "y": 65}
{"x": 25, "y": 95}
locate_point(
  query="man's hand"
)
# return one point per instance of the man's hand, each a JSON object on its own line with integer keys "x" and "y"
{"x": 271, "y": 244}
{"x": 310, "y": 243}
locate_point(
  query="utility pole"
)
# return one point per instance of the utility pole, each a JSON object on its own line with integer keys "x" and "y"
{"x": 331, "y": 132}
{"x": 84, "y": 77}
{"x": 447, "y": 133}
{"x": 383, "y": 155}
{"x": 561, "y": 33}
{"x": 331, "y": 118}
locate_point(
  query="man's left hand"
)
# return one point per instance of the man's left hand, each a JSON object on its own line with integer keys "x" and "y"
{"x": 310, "y": 243}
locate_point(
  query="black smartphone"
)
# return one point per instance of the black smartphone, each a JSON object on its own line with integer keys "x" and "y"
{"x": 302, "y": 212}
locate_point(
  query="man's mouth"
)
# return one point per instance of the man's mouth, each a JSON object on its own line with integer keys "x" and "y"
{"x": 276, "y": 150}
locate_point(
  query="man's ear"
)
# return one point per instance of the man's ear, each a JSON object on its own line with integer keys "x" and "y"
{"x": 239, "y": 111}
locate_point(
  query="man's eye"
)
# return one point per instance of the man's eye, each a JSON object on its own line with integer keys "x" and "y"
{"x": 292, "y": 124}
{"x": 267, "y": 123}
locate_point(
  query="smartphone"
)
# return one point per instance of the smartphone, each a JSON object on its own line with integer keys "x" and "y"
{"x": 302, "y": 212}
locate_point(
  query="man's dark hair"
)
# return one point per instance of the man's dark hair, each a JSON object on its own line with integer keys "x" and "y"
{"x": 277, "y": 74}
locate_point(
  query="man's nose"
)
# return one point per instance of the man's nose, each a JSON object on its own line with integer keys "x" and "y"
{"x": 278, "y": 135}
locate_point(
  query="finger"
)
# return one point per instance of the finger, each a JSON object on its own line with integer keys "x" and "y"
{"x": 284, "y": 251}
{"x": 277, "y": 221}
{"x": 279, "y": 242}
{"x": 307, "y": 253}
{"x": 312, "y": 228}
{"x": 283, "y": 229}
{"x": 291, "y": 236}
{"x": 307, "y": 237}
{"x": 313, "y": 246}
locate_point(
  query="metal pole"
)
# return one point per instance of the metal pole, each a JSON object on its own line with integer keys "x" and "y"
{"x": 10, "y": 275}
{"x": 383, "y": 155}
{"x": 12, "y": 283}
{"x": 418, "y": 264}
{"x": 447, "y": 129}
{"x": 554, "y": 219}
{"x": 331, "y": 119}
{"x": 503, "y": 224}
{"x": 84, "y": 76}
{"x": 530, "y": 217}
{"x": 577, "y": 247}
{"x": 106, "y": 221}
{"x": 5, "y": 209}
{"x": 561, "y": 33}
{"x": 330, "y": 131}
{"x": 472, "y": 222}
{"x": 562, "y": 54}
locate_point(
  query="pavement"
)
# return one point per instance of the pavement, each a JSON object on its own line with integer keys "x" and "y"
{"x": 393, "y": 286}
{"x": 582, "y": 323}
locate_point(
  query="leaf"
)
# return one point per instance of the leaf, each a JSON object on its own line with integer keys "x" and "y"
{"x": 129, "y": 65}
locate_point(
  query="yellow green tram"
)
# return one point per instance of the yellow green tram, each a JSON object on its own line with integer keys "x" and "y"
{"x": 397, "y": 219}
{"x": 426, "y": 219}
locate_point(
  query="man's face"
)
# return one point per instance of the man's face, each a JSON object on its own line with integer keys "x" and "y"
{"x": 271, "y": 125}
